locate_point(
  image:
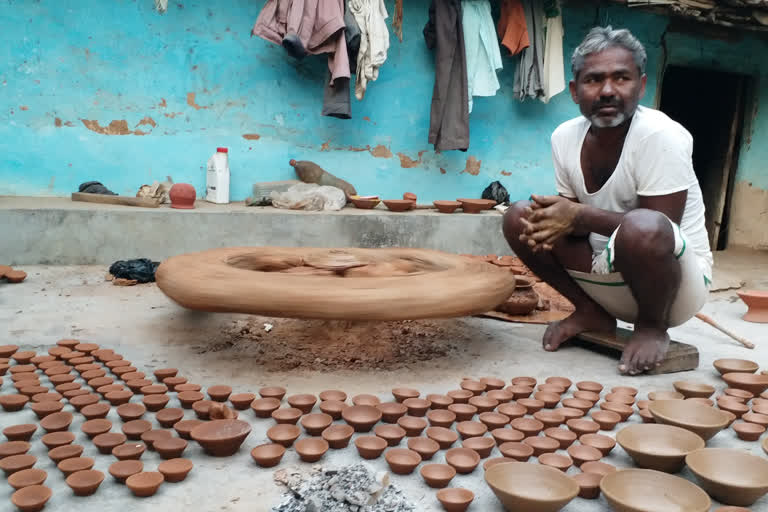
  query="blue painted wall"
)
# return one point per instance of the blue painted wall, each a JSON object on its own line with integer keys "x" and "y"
{"x": 180, "y": 84}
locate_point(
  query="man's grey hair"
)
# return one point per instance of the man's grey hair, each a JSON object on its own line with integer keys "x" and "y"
{"x": 600, "y": 39}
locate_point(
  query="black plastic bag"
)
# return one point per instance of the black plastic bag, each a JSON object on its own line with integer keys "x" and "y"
{"x": 142, "y": 270}
{"x": 497, "y": 192}
{"x": 95, "y": 187}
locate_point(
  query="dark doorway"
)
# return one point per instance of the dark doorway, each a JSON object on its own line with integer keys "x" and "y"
{"x": 710, "y": 104}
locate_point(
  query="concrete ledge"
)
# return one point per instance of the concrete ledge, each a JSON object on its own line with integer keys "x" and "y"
{"x": 57, "y": 231}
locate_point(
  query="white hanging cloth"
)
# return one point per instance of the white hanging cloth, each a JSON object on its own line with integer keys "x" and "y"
{"x": 371, "y": 17}
{"x": 481, "y": 49}
{"x": 554, "y": 68}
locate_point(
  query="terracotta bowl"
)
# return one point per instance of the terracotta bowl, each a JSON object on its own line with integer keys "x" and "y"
{"x": 361, "y": 417}
{"x": 399, "y": 205}
{"x": 531, "y": 487}
{"x": 277, "y": 392}
{"x": 481, "y": 445}
{"x": 460, "y": 396}
{"x": 757, "y": 304}
{"x": 85, "y": 483}
{"x": 417, "y": 406}
{"x": 391, "y": 411}
{"x": 364, "y": 203}
{"x": 268, "y": 455}
{"x": 446, "y": 206}
{"x": 589, "y": 485}
{"x": 221, "y": 438}
{"x": 16, "y": 463}
{"x": 733, "y": 406}
{"x": 740, "y": 394}
{"x": 665, "y": 395}
{"x": 735, "y": 366}
{"x": 475, "y": 386}
{"x": 500, "y": 395}
{"x": 555, "y": 460}
{"x": 731, "y": 476}
{"x": 440, "y": 401}
{"x": 338, "y": 436}
{"x": 464, "y": 460}
{"x": 561, "y": 435}
{"x": 315, "y": 423}
{"x": 589, "y": 385}
{"x": 754, "y": 383}
{"x": 606, "y": 419}
{"x": 365, "y": 399}
{"x": 582, "y": 426}
{"x": 370, "y": 447}
{"x": 494, "y": 420}
{"x": 659, "y": 447}
{"x": 175, "y": 470}
{"x": 392, "y": 434}
{"x": 542, "y": 444}
{"x": 519, "y": 451}
{"x": 476, "y": 205}
{"x": 581, "y": 453}
{"x": 692, "y": 389}
{"x": 305, "y": 402}
{"x": 463, "y": 412}
{"x": 455, "y": 499}
{"x": 286, "y": 415}
{"x": 122, "y": 469}
{"x": 145, "y": 484}
{"x": 333, "y": 408}
{"x": 311, "y": 449}
{"x": 623, "y": 410}
{"x": 402, "y": 394}
{"x": 441, "y": 418}
{"x": 27, "y": 477}
{"x": 632, "y": 490}
{"x": 413, "y": 426}
{"x": 69, "y": 466}
{"x": 424, "y": 446}
{"x": 467, "y": 429}
{"x": 437, "y": 475}
{"x": 756, "y": 418}
{"x": 700, "y": 419}
{"x": 445, "y": 437}
{"x": 402, "y": 461}
{"x": 21, "y": 432}
{"x": 748, "y": 431}
{"x": 284, "y": 434}
{"x": 603, "y": 443}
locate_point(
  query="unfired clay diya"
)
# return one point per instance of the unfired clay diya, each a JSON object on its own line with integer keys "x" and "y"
{"x": 303, "y": 402}
{"x": 168, "y": 417}
{"x": 287, "y": 415}
{"x": 370, "y": 447}
{"x": 437, "y": 475}
{"x": 417, "y": 406}
{"x": 175, "y": 470}
{"x": 145, "y": 484}
{"x": 700, "y": 419}
{"x": 264, "y": 407}
{"x": 481, "y": 445}
{"x": 21, "y": 432}
{"x": 645, "y": 489}
{"x": 445, "y": 437}
{"x": 506, "y": 435}
{"x": 85, "y": 483}
{"x": 455, "y": 499}
{"x": 582, "y": 453}
{"x": 242, "y": 401}
{"x": 338, "y": 436}
{"x": 56, "y": 439}
{"x": 463, "y": 412}
{"x": 333, "y": 408}
{"x": 92, "y": 428}
{"x": 69, "y": 466}
{"x": 555, "y": 460}
{"x": 170, "y": 447}
{"x": 122, "y": 469}
{"x": 413, "y": 426}
{"x": 221, "y": 438}
{"x": 129, "y": 451}
{"x": 735, "y": 366}
{"x": 26, "y": 478}
{"x": 392, "y": 434}
{"x": 32, "y": 498}
{"x": 531, "y": 487}
{"x": 402, "y": 394}
{"x": 514, "y": 450}
{"x": 311, "y": 449}
{"x": 603, "y": 443}
{"x": 184, "y": 427}
{"x": 365, "y": 399}
{"x": 272, "y": 392}
{"x": 402, "y": 461}
{"x": 154, "y": 403}
{"x": 14, "y": 463}
{"x": 105, "y": 443}
{"x": 134, "y": 428}
{"x": 219, "y": 393}
{"x": 426, "y": 447}
{"x": 757, "y": 304}
{"x": 315, "y": 423}
{"x": 589, "y": 485}
{"x": 362, "y": 417}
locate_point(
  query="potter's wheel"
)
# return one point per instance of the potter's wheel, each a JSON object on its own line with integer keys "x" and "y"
{"x": 334, "y": 284}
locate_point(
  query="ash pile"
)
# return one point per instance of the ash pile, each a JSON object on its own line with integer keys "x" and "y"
{"x": 354, "y": 488}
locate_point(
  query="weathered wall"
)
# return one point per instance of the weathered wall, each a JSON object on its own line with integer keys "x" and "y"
{"x": 116, "y": 92}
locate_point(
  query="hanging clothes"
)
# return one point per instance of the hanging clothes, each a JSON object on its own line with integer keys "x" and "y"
{"x": 554, "y": 67}
{"x": 371, "y": 16}
{"x": 336, "y": 94}
{"x": 482, "y": 51}
{"x": 512, "y": 27}
{"x": 449, "y": 112}
{"x": 530, "y": 68}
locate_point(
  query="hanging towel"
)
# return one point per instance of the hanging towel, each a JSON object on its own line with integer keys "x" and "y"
{"x": 449, "y": 112}
{"x": 554, "y": 68}
{"x": 371, "y": 17}
{"x": 482, "y": 51}
{"x": 512, "y": 27}
{"x": 530, "y": 68}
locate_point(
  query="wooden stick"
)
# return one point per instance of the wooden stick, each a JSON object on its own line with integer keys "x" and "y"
{"x": 706, "y": 319}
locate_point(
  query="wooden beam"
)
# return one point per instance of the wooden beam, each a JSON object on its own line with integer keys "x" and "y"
{"x": 144, "y": 202}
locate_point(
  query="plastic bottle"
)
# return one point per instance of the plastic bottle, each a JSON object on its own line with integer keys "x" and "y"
{"x": 217, "y": 183}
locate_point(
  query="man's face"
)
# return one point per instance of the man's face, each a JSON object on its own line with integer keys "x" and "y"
{"x": 608, "y": 87}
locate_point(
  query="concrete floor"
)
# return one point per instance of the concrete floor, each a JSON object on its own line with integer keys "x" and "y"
{"x": 140, "y": 323}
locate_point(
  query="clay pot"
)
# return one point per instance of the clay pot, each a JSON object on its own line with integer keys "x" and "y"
{"x": 13, "y": 402}
{"x": 56, "y": 422}
{"x": 531, "y": 487}
{"x": 168, "y": 417}
{"x": 463, "y": 412}
{"x": 578, "y": 403}
{"x": 598, "y": 468}
{"x": 287, "y": 415}
{"x": 731, "y": 476}
{"x": 402, "y": 394}
{"x": 542, "y": 444}
{"x": 492, "y": 383}
{"x": 276, "y": 392}
{"x": 284, "y": 434}
{"x": 417, "y": 406}
{"x": 392, "y": 411}
{"x": 370, "y": 447}
{"x": 268, "y": 455}
{"x": 659, "y": 447}
{"x": 69, "y": 466}
{"x": 581, "y": 427}
{"x": 11, "y": 448}
{"x": 756, "y": 418}
{"x": 582, "y": 453}
{"x": 56, "y": 439}
{"x": 532, "y": 405}
{"x": 363, "y": 417}
{"x": 315, "y": 423}
{"x": 740, "y": 394}
{"x": 333, "y": 394}
{"x": 183, "y": 197}
{"x": 175, "y": 470}
{"x": 460, "y": 396}
{"x": 180, "y": 388}
{"x": 476, "y": 205}
{"x": 202, "y": 409}
{"x": 427, "y": 447}
{"x": 303, "y": 402}
{"x": 392, "y": 434}
{"x": 402, "y": 461}
{"x": 512, "y": 411}
{"x": 455, "y": 499}
{"x": 170, "y": 447}
{"x": 518, "y": 451}
{"x": 549, "y": 418}
{"x": 130, "y": 412}
{"x": 85, "y": 483}
{"x": 700, "y": 419}
{"x": 146, "y": 483}
{"x": 22, "y": 432}
{"x": 399, "y": 205}
{"x": 588, "y": 385}
{"x": 622, "y": 410}
{"x": 154, "y": 403}
{"x": 123, "y": 469}
{"x": 134, "y": 428}
{"x": 482, "y": 445}
{"x": 26, "y": 478}
{"x": 92, "y": 428}
{"x": 365, "y": 399}
{"x": 338, "y": 436}
{"x": 506, "y": 435}
{"x": 494, "y": 420}
{"x": 446, "y": 206}
{"x": 500, "y": 395}
{"x": 692, "y": 389}
{"x": 153, "y": 389}
{"x": 221, "y": 438}
{"x": 14, "y": 463}
{"x": 528, "y": 426}
{"x": 607, "y": 420}
{"x": 105, "y": 443}
{"x": 589, "y": 485}
{"x": 748, "y": 431}
{"x": 311, "y": 449}
{"x": 562, "y": 436}
{"x": 437, "y": 475}
{"x": 264, "y": 407}
{"x": 129, "y": 451}
{"x": 32, "y": 498}
{"x": 150, "y": 436}
{"x": 665, "y": 395}
{"x": 365, "y": 203}
{"x": 242, "y": 401}
{"x": 754, "y": 383}
{"x": 187, "y": 398}
{"x": 735, "y": 366}
{"x": 756, "y": 301}
{"x": 439, "y": 401}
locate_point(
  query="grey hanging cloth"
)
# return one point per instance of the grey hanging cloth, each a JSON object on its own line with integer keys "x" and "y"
{"x": 530, "y": 68}
{"x": 336, "y": 94}
{"x": 449, "y": 113}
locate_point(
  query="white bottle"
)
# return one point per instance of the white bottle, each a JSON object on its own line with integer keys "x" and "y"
{"x": 217, "y": 184}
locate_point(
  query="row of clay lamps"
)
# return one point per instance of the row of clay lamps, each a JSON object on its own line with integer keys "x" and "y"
{"x": 58, "y": 365}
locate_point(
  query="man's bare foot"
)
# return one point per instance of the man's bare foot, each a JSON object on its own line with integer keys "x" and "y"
{"x": 582, "y": 320}
{"x": 645, "y": 350}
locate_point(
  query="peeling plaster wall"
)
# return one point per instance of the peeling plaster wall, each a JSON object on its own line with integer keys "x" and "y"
{"x": 114, "y": 91}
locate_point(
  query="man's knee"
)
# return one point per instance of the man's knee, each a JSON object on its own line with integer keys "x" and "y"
{"x": 645, "y": 233}
{"x": 512, "y": 225}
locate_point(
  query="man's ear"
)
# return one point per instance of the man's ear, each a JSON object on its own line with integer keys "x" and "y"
{"x": 643, "y": 82}
{"x": 572, "y": 88}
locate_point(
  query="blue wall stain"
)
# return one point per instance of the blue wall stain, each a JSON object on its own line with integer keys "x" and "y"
{"x": 204, "y": 82}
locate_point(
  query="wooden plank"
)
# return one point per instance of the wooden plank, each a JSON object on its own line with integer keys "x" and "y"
{"x": 535, "y": 317}
{"x": 144, "y": 202}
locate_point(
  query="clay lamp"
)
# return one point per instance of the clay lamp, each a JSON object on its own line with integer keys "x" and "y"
{"x": 644, "y": 489}
{"x": 92, "y": 374}
{"x": 564, "y": 382}
{"x": 135, "y": 385}
{"x": 665, "y": 395}
{"x": 740, "y": 394}
{"x": 542, "y": 444}
{"x": 659, "y": 447}
{"x": 62, "y": 369}
{"x": 578, "y": 403}
{"x": 100, "y": 382}
{"x": 172, "y": 382}
{"x": 120, "y": 371}
{"x": 180, "y": 388}
{"x": 735, "y": 366}
{"x": 748, "y": 431}
{"x": 129, "y": 451}
{"x": 417, "y": 406}
{"x": 551, "y": 388}
{"x": 164, "y": 373}
{"x": 11, "y": 448}
{"x": 506, "y": 435}
{"x": 524, "y": 381}
{"x": 221, "y": 438}
{"x": 175, "y": 470}
{"x": 363, "y": 417}
{"x": 123, "y": 469}
{"x": 105, "y": 443}
{"x": 598, "y": 468}
{"x": 155, "y": 402}
{"x": 731, "y": 476}
{"x": 446, "y": 206}
{"x": 103, "y": 390}
{"x": 467, "y": 429}
{"x": 437, "y": 476}
{"x": 32, "y": 390}
{"x": 303, "y": 402}
{"x": 154, "y": 389}
{"x": 581, "y": 453}
{"x": 424, "y": 446}
{"x": 242, "y": 401}
{"x": 589, "y": 485}
{"x": 512, "y": 411}
{"x": 264, "y": 407}
{"x": 392, "y": 434}
{"x": 463, "y": 412}
{"x": 315, "y": 423}
{"x": 14, "y": 463}
{"x": 56, "y": 422}
{"x": 167, "y": 418}
{"x": 48, "y": 397}
{"x": 482, "y": 445}
{"x": 283, "y": 434}
{"x": 68, "y": 451}
{"x": 606, "y": 419}
{"x": 287, "y": 415}
{"x": 496, "y": 460}
{"x": 444, "y": 437}
{"x": 756, "y": 418}
{"x": 691, "y": 389}
{"x": 622, "y": 410}
{"x": 399, "y": 205}
{"x": 219, "y": 393}
{"x": 402, "y": 394}
{"x": 475, "y": 386}
{"x": 755, "y": 384}
{"x": 110, "y": 358}
{"x": 550, "y": 418}
{"x": 441, "y": 418}
{"x": 130, "y": 412}
{"x": 202, "y": 409}
{"x": 32, "y": 498}
{"x": 365, "y": 399}
{"x": 118, "y": 397}
{"x": 86, "y": 367}
{"x": 500, "y": 395}
{"x": 67, "y": 386}
{"x": 439, "y": 401}
{"x": 26, "y": 478}
{"x": 581, "y": 426}
{"x": 338, "y": 436}
{"x": 455, "y": 499}
{"x": 58, "y": 351}
{"x": 484, "y": 403}
{"x": 170, "y": 447}
{"x": 92, "y": 428}
{"x": 311, "y": 449}
{"x": 13, "y": 402}
{"x": 187, "y": 398}
{"x": 56, "y": 439}
{"x": 620, "y": 398}
{"x": 494, "y": 420}
{"x": 268, "y": 455}
{"x": 528, "y": 426}
{"x": 146, "y": 483}
{"x": 402, "y": 461}
{"x": 557, "y": 461}
{"x": 492, "y": 383}
{"x": 603, "y": 443}
{"x": 588, "y": 385}
{"x": 69, "y": 395}
{"x": 413, "y": 426}
{"x": 460, "y": 396}
{"x": 760, "y": 408}
{"x": 532, "y": 405}
{"x": 86, "y": 347}
{"x": 704, "y": 401}
{"x": 735, "y": 407}
{"x": 392, "y": 411}
{"x": 370, "y": 447}
{"x": 134, "y": 428}
{"x": 69, "y": 466}
{"x": 756, "y": 301}
{"x": 333, "y": 394}
{"x": 518, "y": 451}
{"x": 22, "y": 432}
{"x": 562, "y": 436}
{"x": 150, "y": 436}
{"x": 24, "y": 356}
{"x": 333, "y": 408}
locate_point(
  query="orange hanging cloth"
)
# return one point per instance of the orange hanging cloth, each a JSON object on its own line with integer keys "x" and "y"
{"x": 512, "y": 27}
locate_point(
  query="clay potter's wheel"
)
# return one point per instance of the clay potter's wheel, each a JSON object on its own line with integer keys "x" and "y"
{"x": 221, "y": 438}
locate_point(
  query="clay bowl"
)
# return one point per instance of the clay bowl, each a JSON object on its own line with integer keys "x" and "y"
{"x": 264, "y": 407}
{"x": 606, "y": 419}
{"x": 446, "y": 206}
{"x": 533, "y": 405}
{"x": 589, "y": 385}
{"x": 417, "y": 406}
{"x": 311, "y": 449}
{"x": 555, "y": 460}
{"x": 735, "y": 407}
{"x": 621, "y": 398}
{"x": 513, "y": 411}
{"x": 476, "y": 205}
{"x": 219, "y": 393}
{"x": 14, "y": 463}
{"x": 514, "y": 450}
{"x": 187, "y": 398}
{"x": 26, "y": 478}
{"x": 149, "y": 437}
{"x": 550, "y": 399}
{"x": 475, "y": 386}
{"x": 287, "y": 415}
{"x": 463, "y": 412}
{"x": 496, "y": 460}
{"x": 735, "y": 366}
{"x": 460, "y": 396}
{"x": 315, "y": 423}
{"x": 700, "y": 419}
{"x": 740, "y": 394}
{"x": 392, "y": 434}
{"x": 603, "y": 443}
{"x": 705, "y": 401}
{"x": 644, "y": 489}
{"x": 105, "y": 443}
{"x": 242, "y": 401}
{"x": 57, "y": 422}
{"x": 21, "y": 432}
{"x": 338, "y": 436}
{"x": 733, "y": 477}
{"x": 622, "y": 410}
{"x": 402, "y": 461}
{"x": 519, "y": 391}
{"x": 582, "y": 453}
{"x": 85, "y": 483}
{"x": 145, "y": 484}
{"x": 455, "y": 499}
{"x": 221, "y": 438}
{"x": 531, "y": 487}
{"x": 493, "y": 383}
{"x": 598, "y": 468}
{"x": 56, "y": 439}
{"x": 134, "y": 428}
{"x": 154, "y": 403}
{"x": 119, "y": 397}
{"x": 562, "y": 436}
{"x": 399, "y": 205}
{"x": 444, "y": 437}
{"x": 549, "y": 418}
{"x": 542, "y": 444}
{"x": 184, "y": 428}
{"x": 582, "y": 426}
{"x": 365, "y": 399}
{"x": 11, "y": 448}
{"x": 441, "y": 418}
{"x": 333, "y": 394}
{"x": 170, "y": 447}
{"x": 551, "y": 388}
{"x": 402, "y": 394}
{"x": 370, "y": 447}
{"x": 284, "y": 434}
{"x": 32, "y": 498}
{"x": 467, "y": 429}
{"x": 494, "y": 420}
{"x": 172, "y": 382}
{"x": 481, "y": 445}
{"x": 756, "y": 418}
{"x": 464, "y": 460}
{"x": 392, "y": 411}
{"x": 168, "y": 417}
{"x": 13, "y": 402}
{"x": 440, "y": 401}
{"x": 268, "y": 455}
{"x": 692, "y": 389}
{"x": 129, "y": 451}
{"x": 578, "y": 403}
{"x": 43, "y": 409}
{"x": 333, "y": 408}
{"x": 437, "y": 475}
{"x": 425, "y": 447}
{"x": 129, "y": 412}
{"x": 754, "y": 383}
{"x": 748, "y": 431}
{"x": 361, "y": 417}
{"x": 69, "y": 466}
{"x": 500, "y": 395}
{"x": 175, "y": 470}
{"x": 589, "y": 485}
{"x": 413, "y": 426}
{"x": 528, "y": 426}
{"x": 665, "y": 395}
{"x": 92, "y": 428}
{"x": 365, "y": 203}
{"x": 756, "y": 301}
{"x": 277, "y": 392}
